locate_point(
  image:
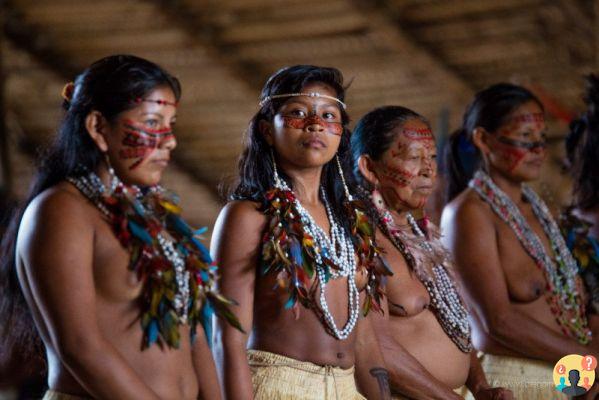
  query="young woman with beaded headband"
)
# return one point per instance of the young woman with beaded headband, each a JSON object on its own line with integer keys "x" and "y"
{"x": 518, "y": 273}
{"x": 424, "y": 331}
{"x": 296, "y": 252}
{"x": 116, "y": 282}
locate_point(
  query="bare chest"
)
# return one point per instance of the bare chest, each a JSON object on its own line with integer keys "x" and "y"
{"x": 114, "y": 280}
{"x": 525, "y": 279}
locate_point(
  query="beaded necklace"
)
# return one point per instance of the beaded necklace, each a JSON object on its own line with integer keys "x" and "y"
{"x": 295, "y": 248}
{"x": 179, "y": 278}
{"x": 560, "y": 271}
{"x": 446, "y": 302}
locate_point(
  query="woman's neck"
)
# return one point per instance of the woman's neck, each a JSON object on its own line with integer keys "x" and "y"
{"x": 306, "y": 184}
{"x": 400, "y": 217}
{"x": 510, "y": 187}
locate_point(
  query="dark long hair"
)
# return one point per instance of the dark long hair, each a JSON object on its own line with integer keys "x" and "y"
{"x": 582, "y": 149}
{"x": 375, "y": 132}
{"x": 489, "y": 110}
{"x": 256, "y": 173}
{"x": 110, "y": 86}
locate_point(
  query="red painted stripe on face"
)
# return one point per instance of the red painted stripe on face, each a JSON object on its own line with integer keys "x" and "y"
{"x": 334, "y": 128}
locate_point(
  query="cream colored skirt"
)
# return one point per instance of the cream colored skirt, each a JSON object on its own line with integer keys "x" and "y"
{"x": 526, "y": 378}
{"x": 276, "y": 377}
{"x": 54, "y": 395}
{"x": 463, "y": 391}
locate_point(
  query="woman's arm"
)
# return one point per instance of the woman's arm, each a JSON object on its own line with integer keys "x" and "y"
{"x": 235, "y": 247}
{"x": 470, "y": 235}
{"x": 56, "y": 247}
{"x": 371, "y": 374}
{"x": 478, "y": 385}
{"x": 406, "y": 375}
{"x": 205, "y": 368}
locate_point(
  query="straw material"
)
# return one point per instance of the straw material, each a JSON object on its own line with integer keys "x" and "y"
{"x": 276, "y": 377}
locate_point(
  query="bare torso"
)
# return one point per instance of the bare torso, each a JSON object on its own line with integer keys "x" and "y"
{"x": 276, "y": 329}
{"x": 169, "y": 373}
{"x": 305, "y": 338}
{"x": 415, "y": 326}
{"x": 525, "y": 281}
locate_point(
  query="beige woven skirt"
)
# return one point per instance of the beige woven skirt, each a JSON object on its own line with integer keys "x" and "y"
{"x": 463, "y": 391}
{"x": 276, "y": 377}
{"x": 526, "y": 378}
{"x": 54, "y": 395}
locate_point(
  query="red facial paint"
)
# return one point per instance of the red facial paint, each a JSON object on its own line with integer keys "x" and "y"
{"x": 334, "y": 128}
{"x": 141, "y": 141}
{"x": 511, "y": 154}
{"x": 418, "y": 134}
{"x": 536, "y": 118}
{"x": 161, "y": 102}
{"x": 397, "y": 175}
{"x": 424, "y": 135}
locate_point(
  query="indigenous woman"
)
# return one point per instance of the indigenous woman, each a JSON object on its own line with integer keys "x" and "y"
{"x": 287, "y": 247}
{"x": 116, "y": 282}
{"x": 580, "y": 222}
{"x": 519, "y": 275}
{"x": 424, "y": 331}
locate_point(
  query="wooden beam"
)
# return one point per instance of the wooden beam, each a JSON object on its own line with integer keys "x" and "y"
{"x": 32, "y": 40}
{"x": 385, "y": 22}
{"x": 206, "y": 33}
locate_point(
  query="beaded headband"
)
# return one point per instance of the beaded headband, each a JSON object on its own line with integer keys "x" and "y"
{"x": 311, "y": 94}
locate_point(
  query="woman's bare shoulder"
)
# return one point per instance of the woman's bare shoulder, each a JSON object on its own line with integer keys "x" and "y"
{"x": 59, "y": 213}
{"x": 467, "y": 207}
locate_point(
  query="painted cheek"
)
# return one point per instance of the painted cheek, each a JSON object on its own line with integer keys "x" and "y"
{"x": 140, "y": 142}
{"x": 397, "y": 176}
{"x": 334, "y": 128}
{"x": 512, "y": 155}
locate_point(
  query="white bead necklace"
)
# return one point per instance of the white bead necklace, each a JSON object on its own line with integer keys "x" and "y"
{"x": 339, "y": 249}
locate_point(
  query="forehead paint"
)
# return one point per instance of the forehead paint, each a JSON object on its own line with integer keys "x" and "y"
{"x": 418, "y": 134}
{"x": 161, "y": 102}
{"x": 334, "y": 128}
{"x": 423, "y": 135}
{"x": 536, "y": 118}
{"x": 141, "y": 141}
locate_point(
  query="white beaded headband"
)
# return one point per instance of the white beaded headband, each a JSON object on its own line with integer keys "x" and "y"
{"x": 311, "y": 94}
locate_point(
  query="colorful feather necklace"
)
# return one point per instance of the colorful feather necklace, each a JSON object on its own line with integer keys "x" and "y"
{"x": 178, "y": 275}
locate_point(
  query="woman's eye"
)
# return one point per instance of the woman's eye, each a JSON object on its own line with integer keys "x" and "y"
{"x": 298, "y": 113}
{"x": 152, "y": 123}
{"x": 329, "y": 115}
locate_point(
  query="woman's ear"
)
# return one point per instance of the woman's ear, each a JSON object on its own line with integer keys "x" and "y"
{"x": 366, "y": 167}
{"x": 266, "y": 130}
{"x": 480, "y": 139}
{"x": 96, "y": 126}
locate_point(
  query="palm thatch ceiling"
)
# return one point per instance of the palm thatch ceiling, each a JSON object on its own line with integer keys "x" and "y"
{"x": 429, "y": 55}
